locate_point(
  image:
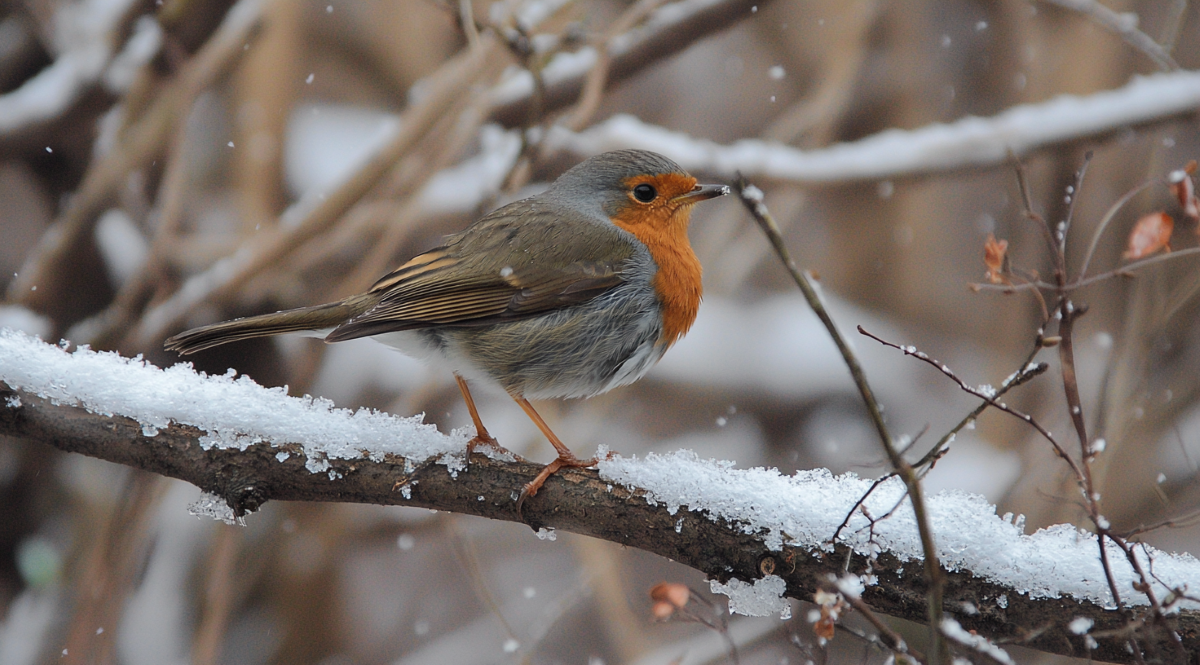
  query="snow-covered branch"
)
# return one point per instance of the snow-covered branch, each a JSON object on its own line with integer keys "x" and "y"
{"x": 971, "y": 142}
{"x": 755, "y": 529}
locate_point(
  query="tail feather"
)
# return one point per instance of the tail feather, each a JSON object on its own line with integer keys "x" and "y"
{"x": 264, "y": 325}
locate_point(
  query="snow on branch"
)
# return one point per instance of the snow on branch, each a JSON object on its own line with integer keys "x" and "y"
{"x": 971, "y": 142}
{"x": 248, "y": 444}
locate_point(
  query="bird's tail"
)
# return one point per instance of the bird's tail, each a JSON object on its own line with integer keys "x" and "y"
{"x": 302, "y": 319}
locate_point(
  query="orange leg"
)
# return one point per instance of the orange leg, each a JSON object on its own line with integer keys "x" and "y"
{"x": 565, "y": 456}
{"x": 481, "y": 433}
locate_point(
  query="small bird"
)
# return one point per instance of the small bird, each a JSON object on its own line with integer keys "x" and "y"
{"x": 569, "y": 293}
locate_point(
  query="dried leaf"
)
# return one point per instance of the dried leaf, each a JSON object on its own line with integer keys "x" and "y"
{"x": 994, "y": 257}
{"x": 823, "y": 628}
{"x": 1151, "y": 234}
{"x": 1184, "y": 188}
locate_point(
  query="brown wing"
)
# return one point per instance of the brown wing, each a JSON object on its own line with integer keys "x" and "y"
{"x": 520, "y": 261}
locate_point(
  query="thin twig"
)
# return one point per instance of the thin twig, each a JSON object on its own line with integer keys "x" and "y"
{"x": 989, "y": 398}
{"x": 1072, "y": 197}
{"x": 890, "y": 638}
{"x": 597, "y": 78}
{"x": 1108, "y": 217}
{"x": 1124, "y": 25}
{"x": 752, "y": 198}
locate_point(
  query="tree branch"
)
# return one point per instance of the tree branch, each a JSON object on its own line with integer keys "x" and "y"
{"x": 575, "y": 500}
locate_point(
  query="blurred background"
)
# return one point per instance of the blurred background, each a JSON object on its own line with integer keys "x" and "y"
{"x": 174, "y": 163}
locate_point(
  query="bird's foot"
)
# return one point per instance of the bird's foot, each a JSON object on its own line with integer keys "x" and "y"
{"x": 562, "y": 461}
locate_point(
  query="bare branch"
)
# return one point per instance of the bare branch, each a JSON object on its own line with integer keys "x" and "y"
{"x": 969, "y": 143}
{"x": 752, "y": 198}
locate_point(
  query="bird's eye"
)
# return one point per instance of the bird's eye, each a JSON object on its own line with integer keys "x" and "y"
{"x": 644, "y": 193}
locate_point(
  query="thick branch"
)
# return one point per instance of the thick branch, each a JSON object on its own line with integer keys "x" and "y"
{"x": 576, "y": 500}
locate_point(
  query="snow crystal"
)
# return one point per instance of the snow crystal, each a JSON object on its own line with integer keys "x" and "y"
{"x": 763, "y": 598}
{"x": 233, "y": 412}
{"x": 214, "y": 507}
{"x": 805, "y": 509}
{"x": 547, "y": 534}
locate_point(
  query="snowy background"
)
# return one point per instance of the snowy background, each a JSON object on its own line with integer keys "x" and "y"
{"x": 879, "y": 134}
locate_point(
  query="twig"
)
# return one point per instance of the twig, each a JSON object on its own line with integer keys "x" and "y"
{"x": 661, "y": 36}
{"x": 1122, "y": 25}
{"x": 1187, "y": 519}
{"x": 144, "y": 142}
{"x": 453, "y": 79}
{"x": 752, "y": 198}
{"x": 1104, "y": 222}
{"x": 988, "y": 398}
{"x": 597, "y": 77}
{"x": 1126, "y": 270}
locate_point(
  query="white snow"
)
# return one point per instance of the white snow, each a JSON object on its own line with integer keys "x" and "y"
{"x": 952, "y": 629}
{"x": 805, "y": 510}
{"x": 324, "y": 144}
{"x": 121, "y": 244}
{"x": 762, "y": 598}
{"x": 802, "y": 510}
{"x": 970, "y": 141}
{"x": 234, "y": 412}
{"x": 24, "y": 319}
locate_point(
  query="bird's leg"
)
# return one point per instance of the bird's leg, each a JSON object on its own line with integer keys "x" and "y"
{"x": 565, "y": 456}
{"x": 481, "y": 434}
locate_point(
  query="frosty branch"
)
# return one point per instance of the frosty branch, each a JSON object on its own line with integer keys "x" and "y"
{"x": 578, "y": 501}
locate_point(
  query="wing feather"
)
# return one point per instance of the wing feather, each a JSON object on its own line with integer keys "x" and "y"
{"x": 517, "y": 262}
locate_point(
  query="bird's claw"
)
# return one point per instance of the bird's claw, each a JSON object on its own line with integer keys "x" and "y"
{"x": 531, "y": 488}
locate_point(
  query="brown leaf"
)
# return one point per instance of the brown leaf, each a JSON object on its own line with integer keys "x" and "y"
{"x": 1184, "y": 188}
{"x": 994, "y": 256}
{"x": 1151, "y": 234}
{"x": 824, "y": 628}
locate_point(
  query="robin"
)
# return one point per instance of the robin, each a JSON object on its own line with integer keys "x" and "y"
{"x": 569, "y": 293}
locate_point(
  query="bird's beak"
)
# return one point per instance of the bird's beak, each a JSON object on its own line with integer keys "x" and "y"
{"x": 703, "y": 193}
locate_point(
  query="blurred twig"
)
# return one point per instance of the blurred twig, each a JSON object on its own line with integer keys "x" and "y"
{"x": 1124, "y": 25}
{"x": 43, "y": 282}
{"x": 455, "y": 77}
{"x": 597, "y": 77}
{"x": 666, "y": 33}
{"x": 218, "y": 597}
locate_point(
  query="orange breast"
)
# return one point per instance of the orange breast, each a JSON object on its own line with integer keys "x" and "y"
{"x": 662, "y": 226}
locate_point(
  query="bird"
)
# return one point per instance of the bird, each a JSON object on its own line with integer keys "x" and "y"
{"x": 569, "y": 293}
